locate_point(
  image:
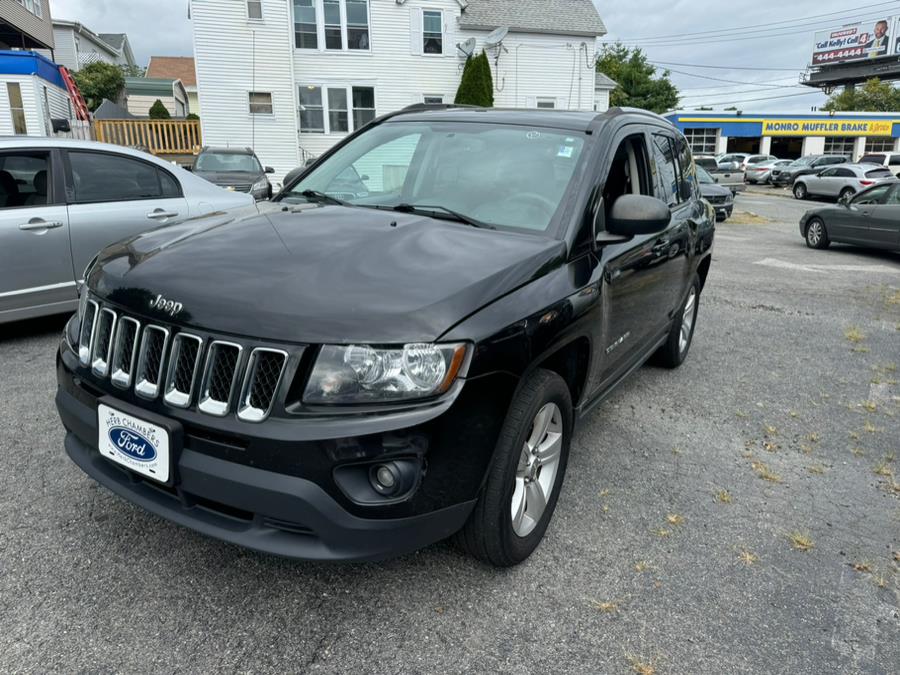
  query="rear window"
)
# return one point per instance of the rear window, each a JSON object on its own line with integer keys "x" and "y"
{"x": 878, "y": 173}
{"x": 872, "y": 159}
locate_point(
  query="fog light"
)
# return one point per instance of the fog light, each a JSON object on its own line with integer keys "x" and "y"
{"x": 385, "y": 479}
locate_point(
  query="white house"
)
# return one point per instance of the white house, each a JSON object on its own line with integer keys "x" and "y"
{"x": 32, "y": 93}
{"x": 77, "y": 46}
{"x": 291, "y": 78}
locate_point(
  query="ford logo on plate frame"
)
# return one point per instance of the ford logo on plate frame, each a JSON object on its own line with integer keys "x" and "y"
{"x": 132, "y": 444}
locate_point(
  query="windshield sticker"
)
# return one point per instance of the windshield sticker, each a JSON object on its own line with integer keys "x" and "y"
{"x": 566, "y": 151}
{"x": 533, "y": 135}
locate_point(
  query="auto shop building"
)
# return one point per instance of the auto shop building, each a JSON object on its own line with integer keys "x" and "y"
{"x": 789, "y": 136}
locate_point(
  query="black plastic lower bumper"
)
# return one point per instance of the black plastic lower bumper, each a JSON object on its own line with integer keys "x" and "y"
{"x": 252, "y": 507}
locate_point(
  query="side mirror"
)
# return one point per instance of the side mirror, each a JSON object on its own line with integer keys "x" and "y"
{"x": 845, "y": 199}
{"x": 310, "y": 161}
{"x": 60, "y": 126}
{"x": 715, "y": 179}
{"x": 632, "y": 215}
{"x": 269, "y": 169}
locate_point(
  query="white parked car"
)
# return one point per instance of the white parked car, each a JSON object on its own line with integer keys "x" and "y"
{"x": 889, "y": 159}
{"x": 61, "y": 201}
{"x": 841, "y": 181}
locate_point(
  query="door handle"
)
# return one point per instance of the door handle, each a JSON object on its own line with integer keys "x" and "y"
{"x": 159, "y": 214}
{"x": 661, "y": 245}
{"x": 40, "y": 224}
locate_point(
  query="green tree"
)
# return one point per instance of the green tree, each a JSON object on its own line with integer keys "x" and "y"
{"x": 873, "y": 96}
{"x": 98, "y": 81}
{"x": 640, "y": 85}
{"x": 476, "y": 87}
{"x": 158, "y": 111}
{"x": 133, "y": 71}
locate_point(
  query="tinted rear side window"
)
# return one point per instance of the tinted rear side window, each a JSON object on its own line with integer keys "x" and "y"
{"x": 872, "y": 159}
{"x": 170, "y": 186}
{"x": 666, "y": 164}
{"x": 106, "y": 178}
{"x": 895, "y": 160}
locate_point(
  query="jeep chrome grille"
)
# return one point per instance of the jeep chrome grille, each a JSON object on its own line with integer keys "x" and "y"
{"x": 219, "y": 378}
{"x": 261, "y": 382}
{"x": 184, "y": 368}
{"x": 150, "y": 361}
{"x": 124, "y": 351}
{"x": 184, "y": 360}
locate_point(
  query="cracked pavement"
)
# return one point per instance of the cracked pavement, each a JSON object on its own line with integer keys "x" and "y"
{"x": 671, "y": 545}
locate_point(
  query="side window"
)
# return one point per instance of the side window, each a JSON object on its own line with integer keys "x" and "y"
{"x": 667, "y": 168}
{"x": 895, "y": 160}
{"x": 686, "y": 163}
{"x": 24, "y": 179}
{"x": 844, "y": 173}
{"x": 893, "y": 198}
{"x": 628, "y": 172}
{"x": 873, "y": 196}
{"x": 828, "y": 173}
{"x": 102, "y": 177}
{"x": 170, "y": 186}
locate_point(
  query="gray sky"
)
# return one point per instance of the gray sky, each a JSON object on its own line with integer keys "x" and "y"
{"x": 161, "y": 27}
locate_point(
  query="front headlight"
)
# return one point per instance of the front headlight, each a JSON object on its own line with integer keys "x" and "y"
{"x": 261, "y": 185}
{"x": 362, "y": 374}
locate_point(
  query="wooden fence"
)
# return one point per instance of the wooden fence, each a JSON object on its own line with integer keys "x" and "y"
{"x": 159, "y": 137}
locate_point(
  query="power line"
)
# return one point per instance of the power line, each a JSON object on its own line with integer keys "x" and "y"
{"x": 700, "y": 65}
{"x": 736, "y": 37}
{"x": 724, "y": 93}
{"x": 763, "y": 25}
{"x": 720, "y": 79}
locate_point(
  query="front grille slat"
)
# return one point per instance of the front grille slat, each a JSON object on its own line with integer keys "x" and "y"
{"x": 264, "y": 371}
{"x": 150, "y": 361}
{"x": 103, "y": 342}
{"x": 184, "y": 361}
{"x": 125, "y": 351}
{"x": 219, "y": 378}
{"x": 87, "y": 332}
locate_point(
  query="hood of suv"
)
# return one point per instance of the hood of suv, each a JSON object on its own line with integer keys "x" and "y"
{"x": 321, "y": 273}
{"x": 708, "y": 190}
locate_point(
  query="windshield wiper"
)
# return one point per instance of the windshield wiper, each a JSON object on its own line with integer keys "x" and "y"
{"x": 322, "y": 198}
{"x": 441, "y": 212}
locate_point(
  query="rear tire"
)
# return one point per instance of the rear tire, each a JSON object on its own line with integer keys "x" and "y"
{"x": 816, "y": 234}
{"x": 516, "y": 505}
{"x": 800, "y": 191}
{"x": 674, "y": 352}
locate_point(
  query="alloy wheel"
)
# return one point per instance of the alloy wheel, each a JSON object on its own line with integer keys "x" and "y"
{"x": 687, "y": 320}
{"x": 536, "y": 472}
{"x": 814, "y": 233}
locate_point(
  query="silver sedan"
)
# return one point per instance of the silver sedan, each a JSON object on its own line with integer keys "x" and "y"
{"x": 61, "y": 201}
{"x": 841, "y": 181}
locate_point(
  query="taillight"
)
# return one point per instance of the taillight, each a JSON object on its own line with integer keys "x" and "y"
{"x": 866, "y": 183}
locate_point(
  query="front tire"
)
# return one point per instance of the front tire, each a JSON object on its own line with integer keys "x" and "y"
{"x": 526, "y": 475}
{"x": 800, "y": 191}
{"x": 816, "y": 234}
{"x": 675, "y": 350}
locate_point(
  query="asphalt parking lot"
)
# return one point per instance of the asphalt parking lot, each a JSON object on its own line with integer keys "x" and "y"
{"x": 741, "y": 514}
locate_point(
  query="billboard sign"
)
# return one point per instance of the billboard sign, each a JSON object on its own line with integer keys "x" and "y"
{"x": 856, "y": 42}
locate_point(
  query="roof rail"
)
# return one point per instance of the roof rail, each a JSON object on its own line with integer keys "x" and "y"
{"x": 436, "y": 106}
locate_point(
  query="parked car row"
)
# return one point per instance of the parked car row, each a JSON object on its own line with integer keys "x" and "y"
{"x": 841, "y": 181}
{"x": 804, "y": 166}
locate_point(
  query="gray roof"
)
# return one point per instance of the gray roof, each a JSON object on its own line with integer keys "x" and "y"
{"x": 115, "y": 40}
{"x": 605, "y": 82}
{"x": 560, "y": 17}
{"x": 112, "y": 111}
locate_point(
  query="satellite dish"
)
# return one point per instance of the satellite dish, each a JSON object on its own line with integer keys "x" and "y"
{"x": 496, "y": 38}
{"x": 467, "y": 48}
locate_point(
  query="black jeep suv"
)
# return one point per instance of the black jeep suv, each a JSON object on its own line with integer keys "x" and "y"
{"x": 397, "y": 348}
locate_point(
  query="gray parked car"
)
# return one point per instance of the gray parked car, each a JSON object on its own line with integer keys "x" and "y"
{"x": 61, "y": 201}
{"x": 236, "y": 169}
{"x": 721, "y": 197}
{"x": 871, "y": 218}
{"x": 762, "y": 172}
{"x": 841, "y": 181}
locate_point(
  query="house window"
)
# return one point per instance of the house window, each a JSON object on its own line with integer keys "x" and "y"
{"x": 432, "y": 32}
{"x": 363, "y": 106}
{"x": 702, "y": 141}
{"x": 332, "y": 11}
{"x": 305, "y": 34}
{"x": 436, "y": 99}
{"x": 261, "y": 103}
{"x": 338, "y": 118}
{"x": 546, "y": 103}
{"x": 38, "y": 9}
{"x": 16, "y": 108}
{"x": 312, "y": 112}
{"x": 880, "y": 144}
{"x": 357, "y": 24}
{"x": 839, "y": 145}
{"x": 254, "y": 10}
{"x": 340, "y": 109}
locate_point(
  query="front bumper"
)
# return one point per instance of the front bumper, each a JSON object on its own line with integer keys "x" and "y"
{"x": 724, "y": 211}
{"x": 257, "y": 501}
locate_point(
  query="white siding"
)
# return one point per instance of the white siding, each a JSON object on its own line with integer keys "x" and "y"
{"x": 64, "y": 53}
{"x": 140, "y": 105}
{"x": 535, "y": 66}
{"x": 31, "y": 97}
{"x": 601, "y": 100}
{"x": 224, "y": 53}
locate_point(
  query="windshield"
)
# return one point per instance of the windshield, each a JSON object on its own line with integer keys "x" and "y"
{"x": 499, "y": 175}
{"x": 704, "y": 177}
{"x": 227, "y": 162}
{"x": 804, "y": 161}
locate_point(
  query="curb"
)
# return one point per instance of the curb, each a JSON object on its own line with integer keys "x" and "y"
{"x": 783, "y": 193}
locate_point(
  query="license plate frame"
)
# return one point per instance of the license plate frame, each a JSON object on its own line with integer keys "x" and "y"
{"x": 143, "y": 443}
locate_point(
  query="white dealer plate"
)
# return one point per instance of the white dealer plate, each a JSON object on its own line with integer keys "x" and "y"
{"x": 133, "y": 443}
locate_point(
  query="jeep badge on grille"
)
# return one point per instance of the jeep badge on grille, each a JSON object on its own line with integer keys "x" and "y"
{"x": 169, "y": 306}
